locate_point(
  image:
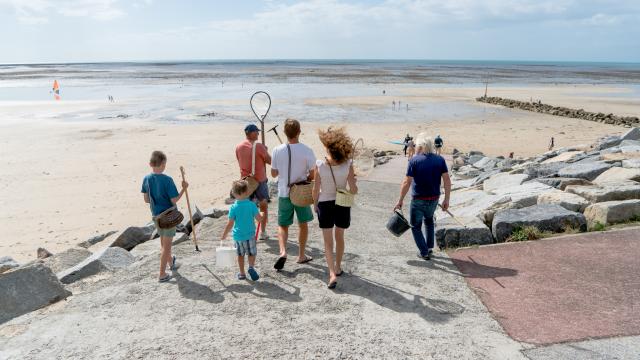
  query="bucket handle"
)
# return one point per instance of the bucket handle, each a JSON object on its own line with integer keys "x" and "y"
{"x": 401, "y": 213}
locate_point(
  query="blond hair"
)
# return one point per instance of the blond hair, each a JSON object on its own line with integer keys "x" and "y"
{"x": 239, "y": 187}
{"x": 157, "y": 158}
{"x": 424, "y": 143}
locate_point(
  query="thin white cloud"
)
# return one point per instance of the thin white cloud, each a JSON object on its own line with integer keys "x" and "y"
{"x": 38, "y": 11}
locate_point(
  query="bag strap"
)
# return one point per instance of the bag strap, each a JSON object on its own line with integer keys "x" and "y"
{"x": 253, "y": 159}
{"x": 331, "y": 169}
{"x": 289, "y": 171}
{"x": 149, "y": 193}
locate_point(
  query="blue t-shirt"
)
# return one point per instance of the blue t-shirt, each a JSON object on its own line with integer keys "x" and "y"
{"x": 163, "y": 189}
{"x": 426, "y": 171}
{"x": 243, "y": 213}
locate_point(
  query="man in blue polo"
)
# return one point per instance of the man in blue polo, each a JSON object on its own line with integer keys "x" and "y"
{"x": 425, "y": 173}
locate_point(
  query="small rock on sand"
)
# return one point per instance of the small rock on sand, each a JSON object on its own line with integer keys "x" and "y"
{"x": 7, "y": 263}
{"x": 43, "y": 253}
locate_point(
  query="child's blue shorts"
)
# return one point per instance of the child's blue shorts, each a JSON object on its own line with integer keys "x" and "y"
{"x": 247, "y": 247}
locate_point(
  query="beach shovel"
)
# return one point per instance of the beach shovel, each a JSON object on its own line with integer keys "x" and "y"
{"x": 193, "y": 228}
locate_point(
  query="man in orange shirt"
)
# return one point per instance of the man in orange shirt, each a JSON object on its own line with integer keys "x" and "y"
{"x": 244, "y": 152}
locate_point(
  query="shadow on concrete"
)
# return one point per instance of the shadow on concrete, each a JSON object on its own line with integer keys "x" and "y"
{"x": 195, "y": 291}
{"x": 432, "y": 310}
{"x": 470, "y": 269}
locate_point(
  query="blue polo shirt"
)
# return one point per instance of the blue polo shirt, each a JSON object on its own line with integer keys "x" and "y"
{"x": 163, "y": 189}
{"x": 243, "y": 213}
{"x": 426, "y": 171}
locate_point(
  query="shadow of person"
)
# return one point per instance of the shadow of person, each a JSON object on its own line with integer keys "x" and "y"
{"x": 434, "y": 264}
{"x": 470, "y": 269}
{"x": 195, "y": 291}
{"x": 432, "y": 310}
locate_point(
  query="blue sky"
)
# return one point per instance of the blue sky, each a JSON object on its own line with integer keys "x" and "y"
{"x": 121, "y": 30}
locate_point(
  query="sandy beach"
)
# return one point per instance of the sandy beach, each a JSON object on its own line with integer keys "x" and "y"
{"x": 64, "y": 180}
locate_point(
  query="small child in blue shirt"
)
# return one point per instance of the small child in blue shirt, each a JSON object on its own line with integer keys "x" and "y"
{"x": 242, "y": 217}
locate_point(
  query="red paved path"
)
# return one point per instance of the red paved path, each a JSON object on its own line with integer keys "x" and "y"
{"x": 562, "y": 289}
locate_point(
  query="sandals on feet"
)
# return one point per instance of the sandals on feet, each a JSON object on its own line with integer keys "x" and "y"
{"x": 305, "y": 260}
{"x": 241, "y": 276}
{"x": 253, "y": 274}
{"x": 164, "y": 279}
{"x": 332, "y": 285}
{"x": 340, "y": 273}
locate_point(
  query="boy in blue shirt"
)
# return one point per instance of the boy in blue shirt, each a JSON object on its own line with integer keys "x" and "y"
{"x": 242, "y": 216}
{"x": 160, "y": 191}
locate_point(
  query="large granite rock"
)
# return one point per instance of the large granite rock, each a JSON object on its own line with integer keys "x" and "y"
{"x": 536, "y": 170}
{"x": 7, "y": 263}
{"x": 562, "y": 183}
{"x": 185, "y": 226}
{"x": 96, "y": 239}
{"x": 547, "y": 217}
{"x": 503, "y": 180}
{"x": 451, "y": 234}
{"x": 469, "y": 203}
{"x": 66, "y": 259}
{"x": 630, "y": 149}
{"x": 523, "y": 195}
{"x": 569, "y": 201}
{"x": 632, "y": 134}
{"x": 564, "y": 157}
{"x": 617, "y": 174}
{"x": 28, "y": 288}
{"x": 610, "y": 191}
{"x": 609, "y": 142}
{"x": 631, "y": 163}
{"x": 110, "y": 259}
{"x": 214, "y": 213}
{"x": 133, "y": 236}
{"x": 468, "y": 171}
{"x": 611, "y": 212}
{"x": 584, "y": 170}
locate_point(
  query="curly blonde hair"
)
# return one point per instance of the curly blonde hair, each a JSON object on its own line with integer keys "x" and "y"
{"x": 338, "y": 143}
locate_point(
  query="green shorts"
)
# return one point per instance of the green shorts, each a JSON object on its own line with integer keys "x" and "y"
{"x": 165, "y": 232}
{"x": 286, "y": 210}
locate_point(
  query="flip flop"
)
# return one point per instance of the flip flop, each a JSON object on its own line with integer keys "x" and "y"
{"x": 340, "y": 273}
{"x": 280, "y": 263}
{"x": 241, "y": 276}
{"x": 332, "y": 285}
{"x": 306, "y": 260}
{"x": 164, "y": 279}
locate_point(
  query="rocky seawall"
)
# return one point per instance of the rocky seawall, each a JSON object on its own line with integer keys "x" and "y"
{"x": 539, "y": 107}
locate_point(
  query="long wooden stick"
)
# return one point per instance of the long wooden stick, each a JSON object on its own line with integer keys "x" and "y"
{"x": 453, "y": 216}
{"x": 193, "y": 228}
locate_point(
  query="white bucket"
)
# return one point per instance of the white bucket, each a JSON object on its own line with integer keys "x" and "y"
{"x": 225, "y": 256}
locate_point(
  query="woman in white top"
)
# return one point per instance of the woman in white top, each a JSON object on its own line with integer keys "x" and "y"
{"x": 334, "y": 219}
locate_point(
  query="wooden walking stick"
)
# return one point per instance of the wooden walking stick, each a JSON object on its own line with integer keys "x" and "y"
{"x": 193, "y": 228}
{"x": 452, "y": 216}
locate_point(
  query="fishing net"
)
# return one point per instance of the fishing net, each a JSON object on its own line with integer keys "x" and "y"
{"x": 260, "y": 104}
{"x": 363, "y": 160}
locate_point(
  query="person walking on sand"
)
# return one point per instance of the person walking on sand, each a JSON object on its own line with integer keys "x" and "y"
{"x": 406, "y": 144}
{"x": 252, "y": 158}
{"x": 551, "y": 143}
{"x": 292, "y": 162}
{"x": 242, "y": 216}
{"x": 425, "y": 173}
{"x": 331, "y": 174}
{"x": 411, "y": 149}
{"x": 439, "y": 143}
{"x": 160, "y": 192}
{"x": 393, "y": 105}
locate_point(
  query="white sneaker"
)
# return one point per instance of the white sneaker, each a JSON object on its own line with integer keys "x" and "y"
{"x": 264, "y": 236}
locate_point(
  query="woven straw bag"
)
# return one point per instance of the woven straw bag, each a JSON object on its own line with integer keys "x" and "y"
{"x": 344, "y": 198}
{"x": 300, "y": 193}
{"x": 252, "y": 183}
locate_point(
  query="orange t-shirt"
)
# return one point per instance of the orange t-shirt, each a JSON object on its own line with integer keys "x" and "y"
{"x": 243, "y": 154}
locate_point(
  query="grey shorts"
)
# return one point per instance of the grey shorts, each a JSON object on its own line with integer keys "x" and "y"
{"x": 164, "y": 232}
{"x": 247, "y": 247}
{"x": 261, "y": 193}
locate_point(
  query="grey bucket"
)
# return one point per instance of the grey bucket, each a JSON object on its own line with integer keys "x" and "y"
{"x": 398, "y": 224}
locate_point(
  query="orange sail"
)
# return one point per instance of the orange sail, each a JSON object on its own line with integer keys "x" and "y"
{"x": 56, "y": 90}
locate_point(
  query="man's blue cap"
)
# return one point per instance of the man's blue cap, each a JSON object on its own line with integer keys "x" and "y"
{"x": 251, "y": 128}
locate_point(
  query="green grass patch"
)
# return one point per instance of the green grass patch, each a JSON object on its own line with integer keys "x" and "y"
{"x": 527, "y": 233}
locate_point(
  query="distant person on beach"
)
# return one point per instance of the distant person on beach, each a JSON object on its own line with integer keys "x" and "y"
{"x": 242, "y": 217}
{"x": 551, "y": 143}
{"x": 407, "y": 107}
{"x": 292, "y": 162}
{"x": 425, "y": 173}
{"x": 439, "y": 143}
{"x": 406, "y": 144}
{"x": 384, "y": 92}
{"x": 160, "y": 192}
{"x": 393, "y": 105}
{"x": 333, "y": 173}
{"x": 411, "y": 148}
{"x": 252, "y": 158}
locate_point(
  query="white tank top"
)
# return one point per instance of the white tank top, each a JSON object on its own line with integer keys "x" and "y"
{"x": 327, "y": 186}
